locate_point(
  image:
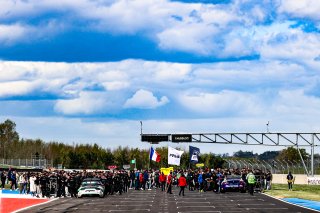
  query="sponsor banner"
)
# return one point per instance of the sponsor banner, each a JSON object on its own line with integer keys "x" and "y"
{"x": 174, "y": 156}
{"x": 194, "y": 154}
{"x": 181, "y": 138}
{"x": 112, "y": 167}
{"x": 199, "y": 165}
{"x": 166, "y": 171}
{"x": 314, "y": 180}
{"x": 154, "y": 138}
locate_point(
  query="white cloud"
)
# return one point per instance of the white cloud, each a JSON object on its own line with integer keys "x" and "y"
{"x": 86, "y": 103}
{"x": 144, "y": 99}
{"x": 225, "y": 103}
{"x": 103, "y": 88}
{"x": 169, "y": 72}
{"x": 17, "y": 88}
{"x": 17, "y": 32}
{"x": 12, "y": 33}
{"x": 301, "y": 8}
{"x": 188, "y": 37}
{"x": 297, "y": 103}
{"x": 199, "y": 28}
{"x": 222, "y": 30}
{"x": 114, "y": 80}
{"x": 294, "y": 46}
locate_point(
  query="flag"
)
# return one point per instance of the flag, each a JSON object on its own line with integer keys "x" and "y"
{"x": 133, "y": 161}
{"x": 154, "y": 155}
{"x": 174, "y": 156}
{"x": 194, "y": 154}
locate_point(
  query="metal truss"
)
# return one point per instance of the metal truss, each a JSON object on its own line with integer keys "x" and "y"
{"x": 263, "y": 139}
{"x": 266, "y": 139}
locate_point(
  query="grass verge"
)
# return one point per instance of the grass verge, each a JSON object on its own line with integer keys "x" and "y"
{"x": 307, "y": 192}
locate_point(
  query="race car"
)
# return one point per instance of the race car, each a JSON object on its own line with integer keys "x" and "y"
{"x": 91, "y": 187}
{"x": 233, "y": 183}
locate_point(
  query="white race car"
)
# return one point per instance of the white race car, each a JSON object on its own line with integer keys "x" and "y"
{"x": 91, "y": 187}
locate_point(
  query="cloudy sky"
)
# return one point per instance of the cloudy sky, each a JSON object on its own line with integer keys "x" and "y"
{"x": 88, "y": 71}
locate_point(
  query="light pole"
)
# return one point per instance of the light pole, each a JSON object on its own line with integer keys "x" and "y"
{"x": 268, "y": 127}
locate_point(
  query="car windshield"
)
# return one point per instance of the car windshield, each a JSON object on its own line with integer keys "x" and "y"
{"x": 91, "y": 183}
{"x": 234, "y": 177}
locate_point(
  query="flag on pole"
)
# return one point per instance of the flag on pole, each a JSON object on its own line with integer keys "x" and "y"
{"x": 154, "y": 155}
{"x": 174, "y": 156}
{"x": 194, "y": 154}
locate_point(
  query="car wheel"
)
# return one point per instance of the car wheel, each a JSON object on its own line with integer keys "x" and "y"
{"x": 79, "y": 196}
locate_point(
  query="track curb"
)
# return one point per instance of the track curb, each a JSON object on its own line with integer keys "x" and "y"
{"x": 290, "y": 202}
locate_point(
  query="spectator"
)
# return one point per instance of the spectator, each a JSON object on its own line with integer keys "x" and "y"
{"x": 132, "y": 177}
{"x": 21, "y": 182}
{"x": 268, "y": 180}
{"x": 33, "y": 187}
{"x": 251, "y": 182}
{"x": 13, "y": 178}
{"x": 146, "y": 180}
{"x": 137, "y": 176}
{"x": 200, "y": 181}
{"x": 169, "y": 183}
{"x": 3, "y": 179}
{"x": 182, "y": 181}
{"x": 162, "y": 179}
{"x": 290, "y": 180}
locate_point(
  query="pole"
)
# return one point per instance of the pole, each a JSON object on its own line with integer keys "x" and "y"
{"x": 149, "y": 159}
{"x": 304, "y": 165}
{"x": 312, "y": 156}
{"x": 135, "y": 163}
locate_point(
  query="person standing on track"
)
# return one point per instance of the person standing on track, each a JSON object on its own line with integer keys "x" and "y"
{"x": 182, "y": 181}
{"x": 169, "y": 183}
{"x": 200, "y": 181}
{"x": 162, "y": 179}
{"x": 251, "y": 178}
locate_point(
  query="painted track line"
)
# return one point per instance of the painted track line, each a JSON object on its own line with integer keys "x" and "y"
{"x": 25, "y": 208}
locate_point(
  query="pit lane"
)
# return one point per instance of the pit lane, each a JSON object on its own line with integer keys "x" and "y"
{"x": 157, "y": 201}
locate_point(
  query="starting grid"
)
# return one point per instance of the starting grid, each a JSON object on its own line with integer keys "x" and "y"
{"x": 160, "y": 202}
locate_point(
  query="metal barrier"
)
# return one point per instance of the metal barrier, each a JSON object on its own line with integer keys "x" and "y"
{"x": 274, "y": 166}
{"x": 33, "y": 163}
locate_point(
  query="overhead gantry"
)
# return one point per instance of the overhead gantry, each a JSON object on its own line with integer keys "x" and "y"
{"x": 263, "y": 139}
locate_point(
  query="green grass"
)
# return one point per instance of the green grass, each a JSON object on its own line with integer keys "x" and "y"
{"x": 307, "y": 192}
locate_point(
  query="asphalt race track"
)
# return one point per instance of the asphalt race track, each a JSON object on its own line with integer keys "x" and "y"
{"x": 157, "y": 201}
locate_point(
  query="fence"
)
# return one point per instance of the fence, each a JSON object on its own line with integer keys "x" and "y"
{"x": 34, "y": 163}
{"x": 275, "y": 166}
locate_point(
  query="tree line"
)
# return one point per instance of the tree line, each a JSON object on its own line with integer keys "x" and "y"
{"x": 93, "y": 156}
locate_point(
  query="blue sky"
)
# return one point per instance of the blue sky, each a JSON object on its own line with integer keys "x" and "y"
{"x": 88, "y": 71}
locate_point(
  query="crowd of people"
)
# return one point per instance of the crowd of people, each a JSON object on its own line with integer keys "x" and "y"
{"x": 62, "y": 183}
